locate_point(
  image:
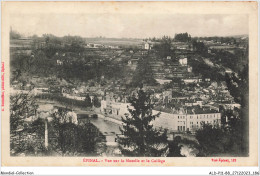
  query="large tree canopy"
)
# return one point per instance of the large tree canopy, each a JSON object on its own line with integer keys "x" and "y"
{"x": 139, "y": 136}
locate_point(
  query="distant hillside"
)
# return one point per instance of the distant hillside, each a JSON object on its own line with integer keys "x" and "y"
{"x": 239, "y": 36}
{"x": 115, "y": 41}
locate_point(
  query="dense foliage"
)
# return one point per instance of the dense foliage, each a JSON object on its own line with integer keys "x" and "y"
{"x": 74, "y": 138}
{"x": 139, "y": 136}
{"x": 182, "y": 37}
{"x": 143, "y": 74}
{"x": 67, "y": 135}
{"x": 164, "y": 47}
{"x": 22, "y": 106}
{"x": 14, "y": 35}
{"x": 225, "y": 140}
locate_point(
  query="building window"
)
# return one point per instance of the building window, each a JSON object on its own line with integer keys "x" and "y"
{"x": 183, "y": 128}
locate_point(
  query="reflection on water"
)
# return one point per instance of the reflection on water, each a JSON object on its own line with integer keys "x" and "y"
{"x": 109, "y": 129}
{"x": 106, "y": 127}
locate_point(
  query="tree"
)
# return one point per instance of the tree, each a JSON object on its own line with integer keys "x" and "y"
{"x": 175, "y": 148}
{"x": 139, "y": 136}
{"x": 88, "y": 101}
{"x": 96, "y": 102}
{"x": 225, "y": 140}
{"x": 24, "y": 133}
{"x": 199, "y": 47}
{"x": 210, "y": 139}
{"x": 22, "y": 106}
{"x": 164, "y": 47}
{"x": 239, "y": 88}
{"x": 14, "y": 35}
{"x": 143, "y": 74}
{"x": 182, "y": 37}
{"x": 73, "y": 137}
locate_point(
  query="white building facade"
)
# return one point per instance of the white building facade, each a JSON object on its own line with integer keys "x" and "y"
{"x": 172, "y": 122}
{"x": 114, "y": 109}
{"x": 186, "y": 122}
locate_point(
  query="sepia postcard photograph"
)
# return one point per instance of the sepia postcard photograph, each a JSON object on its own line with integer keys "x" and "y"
{"x": 129, "y": 84}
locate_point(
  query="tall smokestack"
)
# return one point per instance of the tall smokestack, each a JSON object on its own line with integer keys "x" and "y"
{"x": 46, "y": 133}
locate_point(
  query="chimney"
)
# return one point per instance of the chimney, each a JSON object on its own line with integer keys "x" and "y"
{"x": 46, "y": 133}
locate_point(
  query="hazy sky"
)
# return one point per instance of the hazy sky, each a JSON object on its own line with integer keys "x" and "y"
{"x": 129, "y": 26}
